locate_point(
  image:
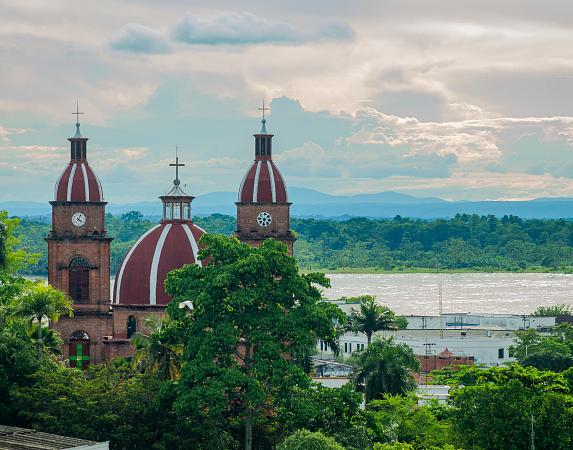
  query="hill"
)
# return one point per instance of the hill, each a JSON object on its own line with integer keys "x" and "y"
{"x": 311, "y": 203}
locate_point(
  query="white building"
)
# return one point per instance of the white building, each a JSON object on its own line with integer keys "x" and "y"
{"x": 490, "y": 351}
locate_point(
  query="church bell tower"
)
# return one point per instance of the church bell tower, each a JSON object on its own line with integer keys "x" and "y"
{"x": 79, "y": 256}
{"x": 263, "y": 209}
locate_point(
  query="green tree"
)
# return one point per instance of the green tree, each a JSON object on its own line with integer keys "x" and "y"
{"x": 385, "y": 367}
{"x": 332, "y": 411}
{"x": 15, "y": 257}
{"x": 400, "y": 419}
{"x": 254, "y": 322}
{"x": 561, "y": 309}
{"x": 40, "y": 305}
{"x": 501, "y": 415}
{"x": 371, "y": 317}
{"x": 3, "y": 239}
{"x": 157, "y": 352}
{"x": 307, "y": 440}
{"x": 546, "y": 352}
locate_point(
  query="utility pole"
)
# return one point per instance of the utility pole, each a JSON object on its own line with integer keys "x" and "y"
{"x": 532, "y": 433}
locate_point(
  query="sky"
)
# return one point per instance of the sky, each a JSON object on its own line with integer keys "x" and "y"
{"x": 451, "y": 98}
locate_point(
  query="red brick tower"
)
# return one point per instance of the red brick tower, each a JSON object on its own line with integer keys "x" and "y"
{"x": 263, "y": 209}
{"x": 78, "y": 257}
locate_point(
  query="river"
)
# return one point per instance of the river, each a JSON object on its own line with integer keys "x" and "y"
{"x": 418, "y": 293}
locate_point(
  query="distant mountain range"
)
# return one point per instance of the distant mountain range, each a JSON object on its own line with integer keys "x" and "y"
{"x": 311, "y": 203}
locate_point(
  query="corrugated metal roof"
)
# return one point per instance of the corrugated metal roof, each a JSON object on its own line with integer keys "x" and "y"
{"x": 14, "y": 438}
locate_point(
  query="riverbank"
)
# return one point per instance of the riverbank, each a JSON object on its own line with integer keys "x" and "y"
{"x": 416, "y": 270}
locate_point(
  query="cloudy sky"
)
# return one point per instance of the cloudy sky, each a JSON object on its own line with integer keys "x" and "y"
{"x": 452, "y": 98}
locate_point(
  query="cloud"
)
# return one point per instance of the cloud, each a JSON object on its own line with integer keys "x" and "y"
{"x": 136, "y": 38}
{"x": 244, "y": 28}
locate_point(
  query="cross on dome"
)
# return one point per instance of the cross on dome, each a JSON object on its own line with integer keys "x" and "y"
{"x": 263, "y": 109}
{"x": 264, "y": 121}
{"x": 77, "y": 114}
{"x": 176, "y": 182}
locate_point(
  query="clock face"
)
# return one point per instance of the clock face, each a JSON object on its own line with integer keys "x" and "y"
{"x": 78, "y": 219}
{"x": 264, "y": 219}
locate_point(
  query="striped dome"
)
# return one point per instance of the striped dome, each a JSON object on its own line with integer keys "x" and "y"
{"x": 141, "y": 276}
{"x": 78, "y": 183}
{"x": 263, "y": 183}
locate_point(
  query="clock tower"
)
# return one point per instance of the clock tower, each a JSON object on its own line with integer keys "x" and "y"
{"x": 79, "y": 257}
{"x": 263, "y": 209}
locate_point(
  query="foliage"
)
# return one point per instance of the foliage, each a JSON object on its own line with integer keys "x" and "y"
{"x": 501, "y": 415}
{"x": 38, "y": 306}
{"x": 307, "y": 440}
{"x": 553, "y": 311}
{"x": 333, "y": 411}
{"x": 547, "y": 352}
{"x": 384, "y": 367}
{"x": 371, "y": 317}
{"x": 158, "y": 352}
{"x": 254, "y": 323}
{"x": 400, "y": 419}
{"x": 16, "y": 256}
{"x": 465, "y": 242}
{"x": 18, "y": 362}
{"x": 530, "y": 377}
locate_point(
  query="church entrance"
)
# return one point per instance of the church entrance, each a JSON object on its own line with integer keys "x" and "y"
{"x": 79, "y": 350}
{"x": 79, "y": 280}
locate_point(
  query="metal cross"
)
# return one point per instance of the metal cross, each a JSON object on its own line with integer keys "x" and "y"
{"x": 263, "y": 109}
{"x": 176, "y": 165}
{"x": 77, "y": 113}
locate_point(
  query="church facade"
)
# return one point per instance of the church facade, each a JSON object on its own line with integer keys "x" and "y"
{"x": 79, "y": 250}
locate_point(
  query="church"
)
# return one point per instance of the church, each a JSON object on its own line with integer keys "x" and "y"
{"x": 79, "y": 249}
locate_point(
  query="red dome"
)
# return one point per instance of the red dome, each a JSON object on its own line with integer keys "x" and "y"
{"x": 78, "y": 183}
{"x": 141, "y": 276}
{"x": 263, "y": 183}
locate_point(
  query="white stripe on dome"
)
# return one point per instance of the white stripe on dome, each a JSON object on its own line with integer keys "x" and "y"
{"x": 256, "y": 183}
{"x": 99, "y": 186}
{"x": 58, "y": 184}
{"x": 125, "y": 261}
{"x": 272, "y": 179}
{"x": 243, "y": 183}
{"x": 193, "y": 243}
{"x": 198, "y": 227}
{"x": 86, "y": 183}
{"x": 283, "y": 182}
{"x": 71, "y": 182}
{"x": 155, "y": 265}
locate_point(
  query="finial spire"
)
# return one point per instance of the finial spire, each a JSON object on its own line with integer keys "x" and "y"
{"x": 264, "y": 121}
{"x": 176, "y": 182}
{"x": 77, "y": 114}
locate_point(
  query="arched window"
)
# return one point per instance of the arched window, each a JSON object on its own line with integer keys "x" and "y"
{"x": 79, "y": 350}
{"x": 79, "y": 287}
{"x": 131, "y": 326}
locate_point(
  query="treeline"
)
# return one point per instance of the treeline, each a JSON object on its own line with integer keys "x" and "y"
{"x": 465, "y": 242}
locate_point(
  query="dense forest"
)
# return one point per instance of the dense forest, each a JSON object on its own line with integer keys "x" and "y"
{"x": 465, "y": 242}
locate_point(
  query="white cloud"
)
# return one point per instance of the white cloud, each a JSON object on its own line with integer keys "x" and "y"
{"x": 232, "y": 28}
{"x": 136, "y": 38}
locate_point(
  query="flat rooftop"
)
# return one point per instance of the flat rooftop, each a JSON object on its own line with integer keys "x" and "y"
{"x": 14, "y": 438}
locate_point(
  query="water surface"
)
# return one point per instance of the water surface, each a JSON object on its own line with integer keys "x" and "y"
{"x": 418, "y": 293}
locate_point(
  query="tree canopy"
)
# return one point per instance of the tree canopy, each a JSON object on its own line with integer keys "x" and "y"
{"x": 254, "y": 321}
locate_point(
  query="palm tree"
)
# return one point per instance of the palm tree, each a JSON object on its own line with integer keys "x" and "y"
{"x": 385, "y": 368}
{"x": 39, "y": 306}
{"x": 154, "y": 353}
{"x": 50, "y": 339}
{"x": 371, "y": 317}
